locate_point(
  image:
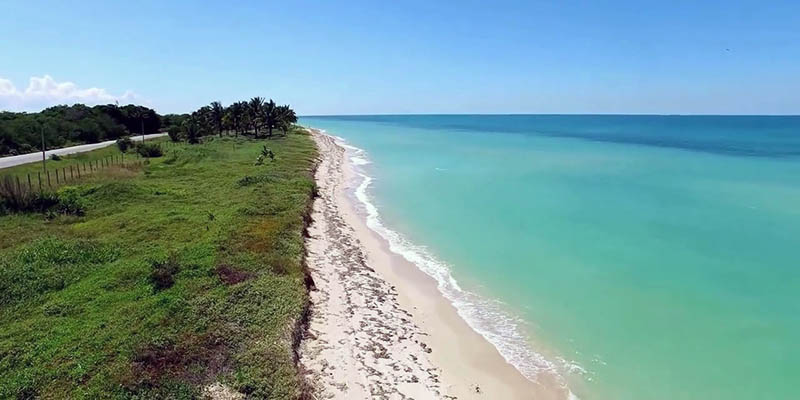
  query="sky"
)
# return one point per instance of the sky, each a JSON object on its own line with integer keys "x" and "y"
{"x": 381, "y": 57}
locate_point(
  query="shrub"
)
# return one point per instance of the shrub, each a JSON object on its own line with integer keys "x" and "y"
{"x": 25, "y": 148}
{"x": 55, "y": 157}
{"x": 162, "y": 274}
{"x": 13, "y": 198}
{"x": 265, "y": 153}
{"x": 149, "y": 150}
{"x": 124, "y": 143}
{"x": 252, "y": 180}
{"x": 268, "y": 153}
{"x": 174, "y": 133}
{"x": 71, "y": 201}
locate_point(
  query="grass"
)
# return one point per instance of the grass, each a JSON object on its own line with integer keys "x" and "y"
{"x": 175, "y": 276}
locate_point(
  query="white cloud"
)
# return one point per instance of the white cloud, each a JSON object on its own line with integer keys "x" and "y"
{"x": 44, "y": 92}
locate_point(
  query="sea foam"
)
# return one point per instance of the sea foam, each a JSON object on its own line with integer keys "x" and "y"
{"x": 485, "y": 316}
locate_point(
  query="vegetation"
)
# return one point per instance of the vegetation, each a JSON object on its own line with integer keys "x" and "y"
{"x": 240, "y": 118}
{"x": 61, "y": 126}
{"x": 124, "y": 143}
{"x": 68, "y": 125}
{"x": 149, "y": 150}
{"x": 170, "y": 277}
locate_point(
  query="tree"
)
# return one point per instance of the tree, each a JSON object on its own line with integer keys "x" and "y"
{"x": 236, "y": 115}
{"x": 254, "y": 111}
{"x": 191, "y": 129}
{"x": 204, "y": 120}
{"x": 268, "y": 113}
{"x": 216, "y": 113}
{"x": 285, "y": 117}
{"x": 139, "y": 113}
{"x": 74, "y": 124}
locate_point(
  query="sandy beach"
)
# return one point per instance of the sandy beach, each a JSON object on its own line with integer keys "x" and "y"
{"x": 379, "y": 328}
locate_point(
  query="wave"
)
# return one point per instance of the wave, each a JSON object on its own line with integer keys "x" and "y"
{"x": 485, "y": 316}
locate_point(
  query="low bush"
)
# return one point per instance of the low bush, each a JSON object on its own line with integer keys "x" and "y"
{"x": 71, "y": 200}
{"x": 268, "y": 153}
{"x": 55, "y": 157}
{"x": 174, "y": 133}
{"x": 17, "y": 198}
{"x": 124, "y": 143}
{"x": 252, "y": 180}
{"x": 162, "y": 274}
{"x": 149, "y": 150}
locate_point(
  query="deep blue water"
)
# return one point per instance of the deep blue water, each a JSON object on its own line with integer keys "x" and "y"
{"x": 763, "y": 136}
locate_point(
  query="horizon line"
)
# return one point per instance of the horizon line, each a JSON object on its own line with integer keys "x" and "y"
{"x": 548, "y": 114}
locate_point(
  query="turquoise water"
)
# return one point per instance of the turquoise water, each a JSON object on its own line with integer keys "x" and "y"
{"x": 647, "y": 257}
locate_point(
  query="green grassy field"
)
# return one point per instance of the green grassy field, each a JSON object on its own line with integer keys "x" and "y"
{"x": 181, "y": 273}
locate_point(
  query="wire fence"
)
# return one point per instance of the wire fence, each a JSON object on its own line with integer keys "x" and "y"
{"x": 52, "y": 178}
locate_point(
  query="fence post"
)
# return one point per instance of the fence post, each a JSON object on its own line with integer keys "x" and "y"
{"x": 30, "y": 187}
{"x": 64, "y": 173}
{"x": 19, "y": 188}
{"x": 79, "y": 171}
{"x": 57, "y": 181}
{"x": 71, "y": 173}
{"x": 48, "y": 179}
{"x": 39, "y": 173}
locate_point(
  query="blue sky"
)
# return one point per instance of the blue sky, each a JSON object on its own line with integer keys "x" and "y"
{"x": 726, "y": 57}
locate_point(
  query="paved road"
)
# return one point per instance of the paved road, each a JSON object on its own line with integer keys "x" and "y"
{"x": 11, "y": 161}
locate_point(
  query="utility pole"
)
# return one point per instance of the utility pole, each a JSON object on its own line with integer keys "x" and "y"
{"x": 142, "y": 120}
{"x": 44, "y": 164}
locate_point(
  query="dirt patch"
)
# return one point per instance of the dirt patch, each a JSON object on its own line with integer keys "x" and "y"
{"x": 231, "y": 276}
{"x": 196, "y": 359}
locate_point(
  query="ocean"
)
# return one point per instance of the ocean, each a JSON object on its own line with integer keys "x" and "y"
{"x": 639, "y": 257}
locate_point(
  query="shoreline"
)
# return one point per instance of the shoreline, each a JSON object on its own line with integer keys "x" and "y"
{"x": 383, "y": 326}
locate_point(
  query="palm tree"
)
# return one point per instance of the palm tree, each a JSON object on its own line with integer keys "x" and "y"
{"x": 285, "y": 118}
{"x": 254, "y": 111}
{"x": 140, "y": 114}
{"x": 269, "y": 114}
{"x": 216, "y": 112}
{"x": 191, "y": 128}
{"x": 236, "y": 115}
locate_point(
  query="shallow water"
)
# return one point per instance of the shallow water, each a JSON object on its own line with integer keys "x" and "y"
{"x": 643, "y": 257}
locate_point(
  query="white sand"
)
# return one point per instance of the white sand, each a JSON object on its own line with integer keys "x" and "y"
{"x": 379, "y": 328}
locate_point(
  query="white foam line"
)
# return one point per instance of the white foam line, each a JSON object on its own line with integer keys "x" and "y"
{"x": 485, "y": 316}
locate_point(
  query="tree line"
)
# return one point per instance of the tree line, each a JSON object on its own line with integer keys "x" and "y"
{"x": 257, "y": 117}
{"x": 21, "y": 132}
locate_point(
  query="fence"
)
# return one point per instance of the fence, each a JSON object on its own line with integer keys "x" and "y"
{"x": 54, "y": 177}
